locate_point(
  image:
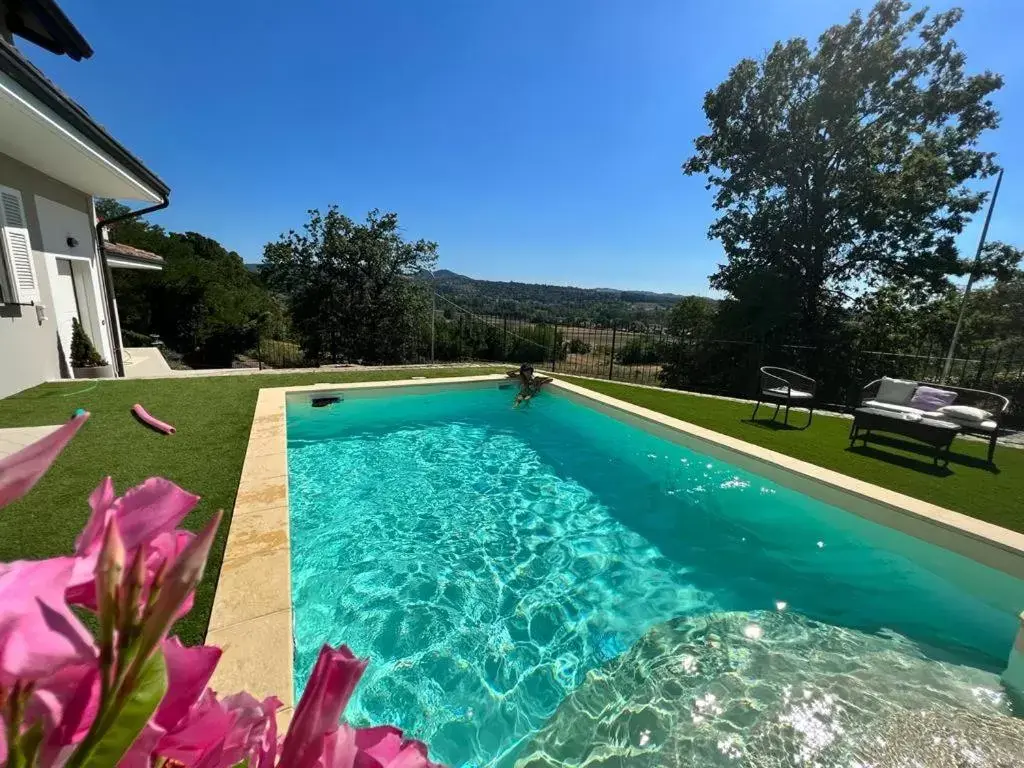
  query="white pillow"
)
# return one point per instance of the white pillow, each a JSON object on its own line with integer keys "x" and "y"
{"x": 965, "y": 413}
{"x": 896, "y": 391}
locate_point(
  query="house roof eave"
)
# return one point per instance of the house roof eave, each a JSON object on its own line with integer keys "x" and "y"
{"x": 19, "y": 69}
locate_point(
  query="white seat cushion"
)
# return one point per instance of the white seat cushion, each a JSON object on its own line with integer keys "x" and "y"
{"x": 891, "y": 407}
{"x": 794, "y": 394}
{"x": 895, "y": 391}
{"x": 983, "y": 426}
{"x": 966, "y": 413}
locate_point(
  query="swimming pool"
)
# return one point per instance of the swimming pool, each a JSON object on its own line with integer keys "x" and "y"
{"x": 551, "y": 585}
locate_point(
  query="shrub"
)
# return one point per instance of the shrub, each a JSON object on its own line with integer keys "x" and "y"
{"x": 281, "y": 354}
{"x": 136, "y": 339}
{"x": 642, "y": 352}
{"x": 535, "y": 344}
{"x": 83, "y": 352}
{"x": 578, "y": 347}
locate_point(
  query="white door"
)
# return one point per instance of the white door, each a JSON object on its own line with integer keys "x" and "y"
{"x": 67, "y": 234}
{"x": 65, "y": 303}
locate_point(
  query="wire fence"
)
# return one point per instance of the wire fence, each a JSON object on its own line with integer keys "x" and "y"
{"x": 450, "y": 333}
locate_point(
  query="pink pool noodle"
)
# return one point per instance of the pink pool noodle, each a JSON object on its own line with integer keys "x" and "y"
{"x": 156, "y": 424}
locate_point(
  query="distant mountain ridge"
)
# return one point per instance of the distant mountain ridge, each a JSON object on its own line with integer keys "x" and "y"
{"x": 454, "y": 282}
{"x": 546, "y": 303}
{"x": 543, "y": 303}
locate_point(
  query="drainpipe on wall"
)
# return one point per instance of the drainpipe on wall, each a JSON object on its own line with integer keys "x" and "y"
{"x": 1014, "y": 674}
{"x": 108, "y": 278}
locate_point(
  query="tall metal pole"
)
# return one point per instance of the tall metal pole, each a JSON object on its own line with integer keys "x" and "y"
{"x": 970, "y": 281}
{"x": 611, "y": 359}
{"x": 433, "y": 315}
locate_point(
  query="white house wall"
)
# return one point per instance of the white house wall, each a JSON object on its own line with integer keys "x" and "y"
{"x": 28, "y": 344}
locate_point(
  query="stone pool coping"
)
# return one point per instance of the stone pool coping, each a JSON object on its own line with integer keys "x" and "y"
{"x": 252, "y": 614}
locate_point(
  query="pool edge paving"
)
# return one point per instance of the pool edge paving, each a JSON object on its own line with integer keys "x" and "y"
{"x": 252, "y": 617}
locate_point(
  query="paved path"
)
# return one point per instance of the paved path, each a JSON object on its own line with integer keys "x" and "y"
{"x": 14, "y": 439}
{"x": 144, "y": 362}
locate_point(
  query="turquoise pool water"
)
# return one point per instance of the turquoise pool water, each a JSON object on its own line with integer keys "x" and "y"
{"x": 487, "y": 559}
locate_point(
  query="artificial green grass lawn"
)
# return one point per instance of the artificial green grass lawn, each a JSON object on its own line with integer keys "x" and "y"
{"x": 213, "y": 417}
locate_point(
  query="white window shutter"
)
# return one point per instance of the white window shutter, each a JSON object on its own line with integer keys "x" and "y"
{"x": 17, "y": 248}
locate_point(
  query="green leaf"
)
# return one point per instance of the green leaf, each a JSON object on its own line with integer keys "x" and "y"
{"x": 241, "y": 764}
{"x": 132, "y": 716}
{"x": 28, "y": 744}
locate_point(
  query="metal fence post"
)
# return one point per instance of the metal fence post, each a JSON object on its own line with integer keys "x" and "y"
{"x": 554, "y": 345}
{"x": 611, "y": 359}
{"x": 259, "y": 348}
{"x": 854, "y": 379}
{"x": 755, "y": 375}
{"x": 981, "y": 366}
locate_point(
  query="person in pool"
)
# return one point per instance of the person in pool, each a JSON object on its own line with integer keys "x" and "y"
{"x": 529, "y": 385}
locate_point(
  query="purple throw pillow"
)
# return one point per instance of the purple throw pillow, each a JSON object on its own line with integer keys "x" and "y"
{"x": 931, "y": 399}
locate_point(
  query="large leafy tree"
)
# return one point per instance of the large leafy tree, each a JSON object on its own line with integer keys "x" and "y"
{"x": 845, "y": 165}
{"x": 692, "y": 317}
{"x": 349, "y": 287}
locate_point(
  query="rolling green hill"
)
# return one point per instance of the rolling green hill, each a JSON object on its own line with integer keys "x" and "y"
{"x": 547, "y": 303}
{"x": 550, "y": 303}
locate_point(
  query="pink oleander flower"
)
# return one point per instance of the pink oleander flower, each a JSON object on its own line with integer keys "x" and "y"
{"x": 44, "y": 648}
{"x": 316, "y": 738}
{"x": 145, "y": 511}
{"x": 254, "y": 736}
{"x": 202, "y": 737}
{"x": 334, "y": 678}
{"x": 67, "y": 702}
{"x": 38, "y": 632}
{"x": 147, "y": 517}
{"x": 188, "y": 672}
{"x": 178, "y": 583}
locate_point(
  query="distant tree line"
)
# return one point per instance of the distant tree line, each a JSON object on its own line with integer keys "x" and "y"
{"x": 566, "y": 305}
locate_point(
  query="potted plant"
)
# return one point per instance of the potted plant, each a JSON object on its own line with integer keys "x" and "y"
{"x": 86, "y": 362}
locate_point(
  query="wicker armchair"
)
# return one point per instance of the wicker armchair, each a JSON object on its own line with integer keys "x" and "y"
{"x": 992, "y": 402}
{"x": 785, "y": 387}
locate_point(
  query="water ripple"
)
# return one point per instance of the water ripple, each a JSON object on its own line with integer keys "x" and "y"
{"x": 483, "y": 592}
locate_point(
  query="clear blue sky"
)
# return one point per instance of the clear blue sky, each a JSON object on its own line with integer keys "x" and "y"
{"x": 533, "y": 140}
